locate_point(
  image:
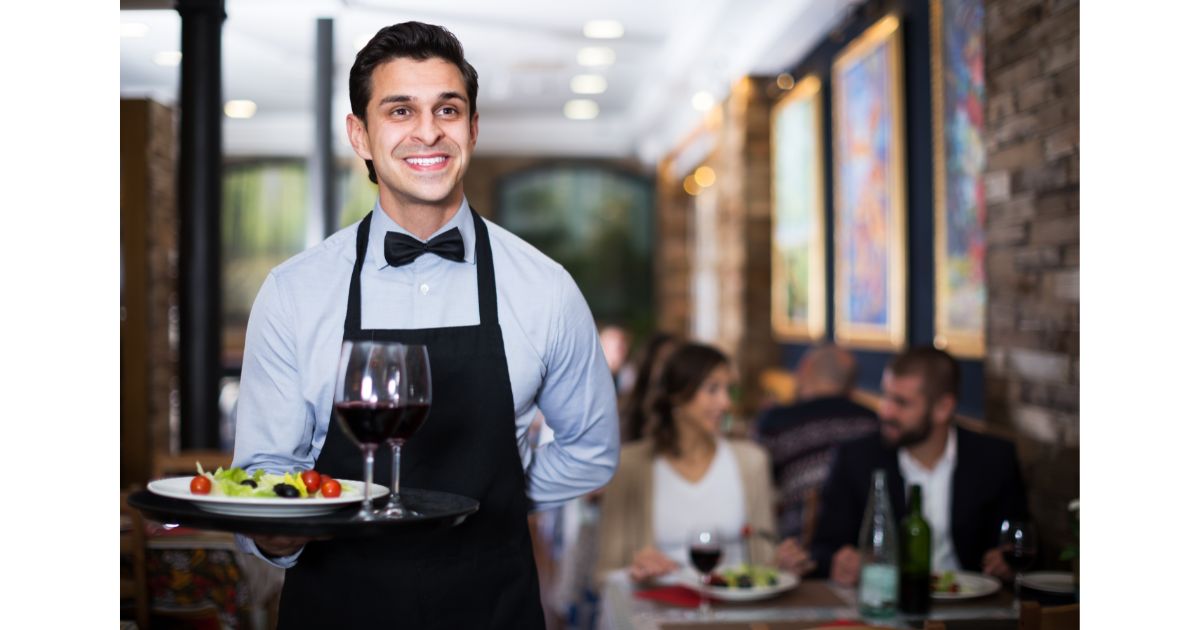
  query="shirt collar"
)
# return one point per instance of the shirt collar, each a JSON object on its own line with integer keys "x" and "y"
{"x": 381, "y": 224}
{"x": 949, "y": 456}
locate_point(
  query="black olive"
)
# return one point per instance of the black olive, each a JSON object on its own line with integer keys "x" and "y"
{"x": 249, "y": 482}
{"x": 287, "y": 491}
{"x": 771, "y": 581}
{"x": 744, "y": 581}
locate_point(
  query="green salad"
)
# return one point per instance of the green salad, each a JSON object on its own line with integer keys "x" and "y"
{"x": 231, "y": 482}
{"x": 747, "y": 576}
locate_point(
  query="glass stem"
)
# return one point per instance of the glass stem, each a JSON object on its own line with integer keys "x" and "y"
{"x": 395, "y": 499}
{"x": 368, "y": 477}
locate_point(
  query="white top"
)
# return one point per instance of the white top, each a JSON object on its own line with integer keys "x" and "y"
{"x": 551, "y": 345}
{"x": 935, "y": 499}
{"x": 716, "y": 500}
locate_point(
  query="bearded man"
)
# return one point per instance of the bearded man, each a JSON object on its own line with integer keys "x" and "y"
{"x": 970, "y": 482}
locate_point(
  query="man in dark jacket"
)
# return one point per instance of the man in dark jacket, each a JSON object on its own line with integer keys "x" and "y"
{"x": 970, "y": 482}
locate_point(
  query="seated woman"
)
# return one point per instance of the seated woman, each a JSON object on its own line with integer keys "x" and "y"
{"x": 686, "y": 474}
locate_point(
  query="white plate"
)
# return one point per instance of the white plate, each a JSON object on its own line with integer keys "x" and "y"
{"x": 970, "y": 586}
{"x": 1049, "y": 581}
{"x": 786, "y": 582}
{"x": 180, "y": 488}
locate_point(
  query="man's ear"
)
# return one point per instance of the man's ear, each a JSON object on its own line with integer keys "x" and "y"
{"x": 943, "y": 409}
{"x": 356, "y": 131}
{"x": 474, "y": 130}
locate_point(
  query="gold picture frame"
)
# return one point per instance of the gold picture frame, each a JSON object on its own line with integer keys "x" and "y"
{"x": 798, "y": 214}
{"x": 870, "y": 208}
{"x": 960, "y": 286}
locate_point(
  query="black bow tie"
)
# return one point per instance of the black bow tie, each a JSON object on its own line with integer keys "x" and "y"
{"x": 401, "y": 249}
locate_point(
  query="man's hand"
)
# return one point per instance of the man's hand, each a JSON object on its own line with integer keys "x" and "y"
{"x": 790, "y": 556}
{"x": 275, "y": 546}
{"x": 994, "y": 564}
{"x": 846, "y": 564}
{"x": 650, "y": 562}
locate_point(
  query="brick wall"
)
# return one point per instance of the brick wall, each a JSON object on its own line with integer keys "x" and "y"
{"x": 1032, "y": 187}
{"x": 149, "y": 318}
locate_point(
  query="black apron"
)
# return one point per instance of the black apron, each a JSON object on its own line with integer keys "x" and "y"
{"x": 480, "y": 574}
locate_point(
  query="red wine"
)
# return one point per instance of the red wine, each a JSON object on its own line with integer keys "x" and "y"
{"x": 366, "y": 422}
{"x": 412, "y": 416}
{"x": 705, "y": 558}
{"x": 1020, "y": 560}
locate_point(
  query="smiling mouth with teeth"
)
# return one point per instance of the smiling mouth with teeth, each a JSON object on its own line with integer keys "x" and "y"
{"x": 429, "y": 161}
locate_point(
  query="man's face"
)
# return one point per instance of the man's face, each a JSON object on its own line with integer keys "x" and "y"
{"x": 905, "y": 416}
{"x": 418, "y": 132}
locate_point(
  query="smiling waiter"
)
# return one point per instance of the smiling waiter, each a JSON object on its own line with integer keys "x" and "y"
{"x": 508, "y": 334}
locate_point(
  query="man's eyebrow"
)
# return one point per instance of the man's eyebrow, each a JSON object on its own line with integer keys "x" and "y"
{"x": 404, "y": 98}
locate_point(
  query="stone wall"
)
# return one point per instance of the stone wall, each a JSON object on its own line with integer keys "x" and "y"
{"x": 149, "y": 299}
{"x": 1032, "y": 187}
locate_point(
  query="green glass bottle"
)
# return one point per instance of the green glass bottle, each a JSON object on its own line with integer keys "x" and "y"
{"x": 916, "y": 546}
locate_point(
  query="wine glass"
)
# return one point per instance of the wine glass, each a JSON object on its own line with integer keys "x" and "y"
{"x": 415, "y": 399}
{"x": 1019, "y": 545}
{"x": 704, "y": 550}
{"x": 367, "y": 401}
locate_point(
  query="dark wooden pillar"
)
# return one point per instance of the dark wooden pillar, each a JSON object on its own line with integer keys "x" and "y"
{"x": 200, "y": 111}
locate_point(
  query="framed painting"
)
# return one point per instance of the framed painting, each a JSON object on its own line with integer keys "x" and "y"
{"x": 798, "y": 215}
{"x": 870, "y": 213}
{"x": 960, "y": 290}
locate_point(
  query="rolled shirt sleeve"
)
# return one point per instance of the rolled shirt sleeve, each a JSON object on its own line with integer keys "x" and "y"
{"x": 578, "y": 401}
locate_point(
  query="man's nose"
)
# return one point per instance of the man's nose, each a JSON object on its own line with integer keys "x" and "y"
{"x": 427, "y": 131}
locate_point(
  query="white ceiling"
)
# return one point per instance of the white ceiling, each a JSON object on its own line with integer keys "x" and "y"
{"x": 525, "y": 52}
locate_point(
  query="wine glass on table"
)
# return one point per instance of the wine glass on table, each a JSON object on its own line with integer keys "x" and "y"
{"x": 367, "y": 401}
{"x": 415, "y": 399}
{"x": 1019, "y": 546}
{"x": 704, "y": 550}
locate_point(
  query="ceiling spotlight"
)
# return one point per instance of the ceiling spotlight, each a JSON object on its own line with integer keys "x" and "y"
{"x": 703, "y": 101}
{"x": 581, "y": 109}
{"x": 785, "y": 81}
{"x": 603, "y": 29}
{"x": 168, "y": 58}
{"x": 240, "y": 109}
{"x": 596, "y": 56}
{"x": 705, "y": 176}
{"x": 588, "y": 84}
{"x": 134, "y": 29}
{"x": 690, "y": 186}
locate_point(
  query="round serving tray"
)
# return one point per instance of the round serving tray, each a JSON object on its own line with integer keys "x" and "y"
{"x": 436, "y": 510}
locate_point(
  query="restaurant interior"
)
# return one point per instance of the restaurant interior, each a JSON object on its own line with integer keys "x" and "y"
{"x": 767, "y": 178}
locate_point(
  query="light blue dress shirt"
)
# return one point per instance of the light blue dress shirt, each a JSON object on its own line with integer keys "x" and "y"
{"x": 555, "y": 362}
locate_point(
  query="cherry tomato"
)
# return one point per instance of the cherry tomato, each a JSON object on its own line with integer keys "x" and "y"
{"x": 201, "y": 485}
{"x": 325, "y": 478}
{"x": 331, "y": 488}
{"x": 311, "y": 479}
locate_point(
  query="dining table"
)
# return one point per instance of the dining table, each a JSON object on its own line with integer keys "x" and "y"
{"x": 812, "y": 603}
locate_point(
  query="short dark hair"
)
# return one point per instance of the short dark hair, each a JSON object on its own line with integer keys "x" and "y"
{"x": 938, "y": 370}
{"x": 413, "y": 40}
{"x": 682, "y": 375}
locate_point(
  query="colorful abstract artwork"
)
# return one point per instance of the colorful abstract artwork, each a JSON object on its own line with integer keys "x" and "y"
{"x": 870, "y": 213}
{"x": 959, "y": 158}
{"x": 798, "y": 207}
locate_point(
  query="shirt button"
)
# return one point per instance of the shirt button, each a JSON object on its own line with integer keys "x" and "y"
{"x": 424, "y": 289}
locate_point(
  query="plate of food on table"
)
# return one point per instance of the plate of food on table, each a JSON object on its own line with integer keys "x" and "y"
{"x": 951, "y": 585}
{"x": 259, "y": 493}
{"x": 743, "y": 583}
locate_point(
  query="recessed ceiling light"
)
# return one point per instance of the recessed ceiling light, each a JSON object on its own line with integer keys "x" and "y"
{"x": 785, "y": 81}
{"x": 134, "y": 29}
{"x": 588, "y": 84}
{"x": 581, "y": 109}
{"x": 702, "y": 101}
{"x": 168, "y": 58}
{"x": 596, "y": 56}
{"x": 240, "y": 109}
{"x": 603, "y": 29}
